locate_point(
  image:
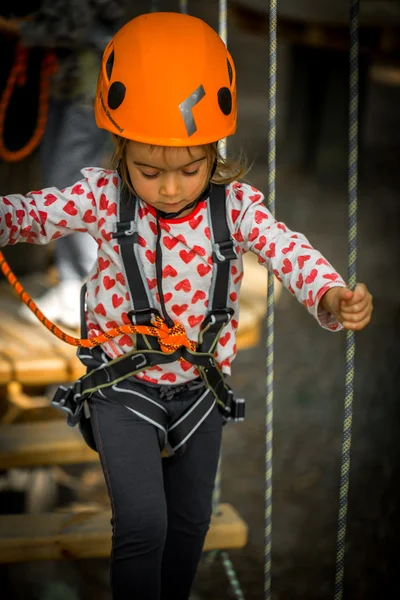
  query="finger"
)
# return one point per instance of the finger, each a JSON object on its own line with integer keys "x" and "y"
{"x": 357, "y": 317}
{"x": 355, "y": 308}
{"x": 357, "y": 326}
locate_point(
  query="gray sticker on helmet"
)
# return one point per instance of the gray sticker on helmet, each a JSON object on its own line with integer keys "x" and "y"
{"x": 186, "y": 109}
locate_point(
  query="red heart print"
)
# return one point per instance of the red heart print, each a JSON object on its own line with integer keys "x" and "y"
{"x": 331, "y": 276}
{"x": 100, "y": 310}
{"x": 260, "y": 216}
{"x": 102, "y": 181}
{"x": 125, "y": 340}
{"x": 289, "y": 248}
{"x": 120, "y": 277}
{"x": 310, "y": 301}
{"x": 117, "y": 300}
{"x": 234, "y": 270}
{"x": 125, "y": 319}
{"x": 239, "y": 195}
{"x": 108, "y": 282}
{"x": 207, "y": 233}
{"x": 281, "y": 226}
{"x": 311, "y": 277}
{"x": 199, "y": 295}
{"x": 178, "y": 309}
{"x": 143, "y": 211}
{"x": 193, "y": 321}
{"x": 322, "y": 261}
{"x": 77, "y": 189}
{"x": 195, "y": 222}
{"x": 185, "y": 365}
{"x": 49, "y": 199}
{"x": 170, "y": 242}
{"x": 254, "y": 234}
{"x": 183, "y": 285}
{"x": 103, "y": 202}
{"x": 302, "y": 259}
{"x": 20, "y": 215}
{"x": 238, "y": 236}
{"x": 235, "y": 214}
{"x": 112, "y": 209}
{"x": 106, "y": 235}
{"x": 166, "y": 297}
{"x": 116, "y": 249}
{"x": 151, "y": 256}
{"x": 152, "y": 283}
{"x": 307, "y": 246}
{"x": 153, "y": 227}
{"x": 90, "y": 197}
{"x": 142, "y": 241}
{"x": 287, "y": 266}
{"x": 101, "y": 222}
{"x": 255, "y": 197}
{"x": 88, "y": 217}
{"x": 164, "y": 226}
{"x": 111, "y": 324}
{"x": 238, "y": 278}
{"x": 187, "y": 256}
{"x": 169, "y": 271}
{"x": 203, "y": 269}
{"x": 300, "y": 282}
{"x": 233, "y": 296}
{"x": 96, "y": 291}
{"x": 223, "y": 340}
{"x": 199, "y": 250}
{"x": 169, "y": 377}
{"x": 235, "y": 324}
{"x": 261, "y": 243}
{"x": 70, "y": 208}
{"x": 103, "y": 264}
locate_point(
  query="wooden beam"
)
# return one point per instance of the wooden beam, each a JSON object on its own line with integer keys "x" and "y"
{"x": 58, "y": 536}
{"x": 42, "y": 443}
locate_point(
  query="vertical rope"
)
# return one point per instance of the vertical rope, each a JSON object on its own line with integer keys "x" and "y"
{"x": 183, "y": 6}
{"x": 272, "y": 66}
{"x": 223, "y": 32}
{"x": 350, "y": 335}
{"x": 232, "y": 577}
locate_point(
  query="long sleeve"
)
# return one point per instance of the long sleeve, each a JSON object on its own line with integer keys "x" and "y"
{"x": 45, "y": 215}
{"x": 289, "y": 255}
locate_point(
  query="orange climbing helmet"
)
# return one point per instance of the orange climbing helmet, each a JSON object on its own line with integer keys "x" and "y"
{"x": 167, "y": 79}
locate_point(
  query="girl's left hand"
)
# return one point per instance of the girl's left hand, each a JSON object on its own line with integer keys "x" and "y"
{"x": 352, "y": 308}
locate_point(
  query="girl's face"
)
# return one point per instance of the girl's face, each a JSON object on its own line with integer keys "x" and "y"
{"x": 167, "y": 178}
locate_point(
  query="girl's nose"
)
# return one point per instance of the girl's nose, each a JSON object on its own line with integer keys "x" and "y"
{"x": 170, "y": 187}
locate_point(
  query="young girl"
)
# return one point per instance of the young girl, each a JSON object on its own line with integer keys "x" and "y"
{"x": 171, "y": 224}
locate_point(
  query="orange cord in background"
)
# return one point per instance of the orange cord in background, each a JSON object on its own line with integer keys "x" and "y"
{"x": 170, "y": 339}
{"x": 18, "y": 77}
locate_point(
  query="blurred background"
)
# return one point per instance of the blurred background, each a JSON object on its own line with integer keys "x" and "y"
{"x": 309, "y": 362}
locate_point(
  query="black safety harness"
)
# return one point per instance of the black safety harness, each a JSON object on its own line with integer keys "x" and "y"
{"x": 106, "y": 374}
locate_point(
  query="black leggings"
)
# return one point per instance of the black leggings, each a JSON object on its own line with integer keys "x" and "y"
{"x": 161, "y": 507}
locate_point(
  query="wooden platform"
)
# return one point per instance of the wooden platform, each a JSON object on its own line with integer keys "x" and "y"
{"x": 59, "y": 536}
{"x": 42, "y": 444}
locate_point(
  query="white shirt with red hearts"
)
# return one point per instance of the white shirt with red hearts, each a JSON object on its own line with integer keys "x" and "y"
{"x": 91, "y": 206}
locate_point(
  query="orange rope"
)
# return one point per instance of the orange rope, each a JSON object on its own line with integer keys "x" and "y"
{"x": 18, "y": 77}
{"x": 170, "y": 339}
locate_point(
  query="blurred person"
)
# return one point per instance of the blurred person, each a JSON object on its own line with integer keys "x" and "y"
{"x": 77, "y": 31}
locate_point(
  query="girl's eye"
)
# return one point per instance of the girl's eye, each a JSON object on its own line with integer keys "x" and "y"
{"x": 147, "y": 176}
{"x": 190, "y": 173}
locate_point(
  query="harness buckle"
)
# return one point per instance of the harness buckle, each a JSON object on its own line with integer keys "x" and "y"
{"x": 70, "y": 400}
{"x": 143, "y": 312}
{"x": 218, "y": 316}
{"x": 223, "y": 251}
{"x": 126, "y": 229}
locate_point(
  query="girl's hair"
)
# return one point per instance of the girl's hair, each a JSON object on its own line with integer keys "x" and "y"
{"x": 227, "y": 169}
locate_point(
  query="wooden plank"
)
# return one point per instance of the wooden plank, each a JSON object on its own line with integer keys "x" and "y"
{"x": 58, "y": 536}
{"x": 42, "y": 444}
